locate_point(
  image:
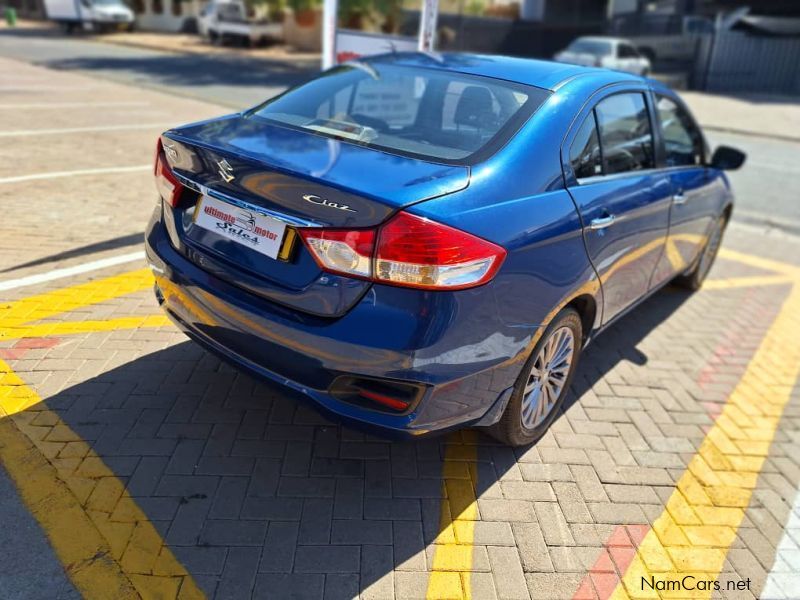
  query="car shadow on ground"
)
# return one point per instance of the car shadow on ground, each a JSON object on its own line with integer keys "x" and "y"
{"x": 245, "y": 483}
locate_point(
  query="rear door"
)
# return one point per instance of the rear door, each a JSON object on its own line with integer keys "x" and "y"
{"x": 696, "y": 191}
{"x": 623, "y": 200}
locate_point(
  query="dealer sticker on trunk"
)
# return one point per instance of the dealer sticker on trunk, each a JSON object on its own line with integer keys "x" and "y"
{"x": 243, "y": 226}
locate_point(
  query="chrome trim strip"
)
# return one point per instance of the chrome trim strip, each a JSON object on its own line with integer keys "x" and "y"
{"x": 206, "y": 191}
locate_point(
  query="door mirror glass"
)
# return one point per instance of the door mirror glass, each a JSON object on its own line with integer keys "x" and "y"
{"x": 727, "y": 158}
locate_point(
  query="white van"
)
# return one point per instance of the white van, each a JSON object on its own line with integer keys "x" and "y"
{"x": 97, "y": 15}
{"x": 223, "y": 21}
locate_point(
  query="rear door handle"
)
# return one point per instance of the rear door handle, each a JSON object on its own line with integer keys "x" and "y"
{"x": 679, "y": 198}
{"x": 602, "y": 222}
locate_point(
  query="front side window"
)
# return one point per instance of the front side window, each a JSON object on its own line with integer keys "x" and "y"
{"x": 626, "y": 51}
{"x": 427, "y": 113}
{"x": 683, "y": 141}
{"x": 584, "y": 154}
{"x": 625, "y": 135}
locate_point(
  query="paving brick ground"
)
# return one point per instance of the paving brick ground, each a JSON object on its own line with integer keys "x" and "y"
{"x": 256, "y": 494}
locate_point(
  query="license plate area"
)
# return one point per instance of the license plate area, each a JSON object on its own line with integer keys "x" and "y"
{"x": 245, "y": 226}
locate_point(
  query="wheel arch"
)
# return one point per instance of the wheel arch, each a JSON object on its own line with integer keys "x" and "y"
{"x": 586, "y": 307}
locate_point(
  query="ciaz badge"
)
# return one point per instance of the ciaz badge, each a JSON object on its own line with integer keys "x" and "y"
{"x": 323, "y": 202}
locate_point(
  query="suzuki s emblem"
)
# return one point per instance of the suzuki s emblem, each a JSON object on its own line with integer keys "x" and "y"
{"x": 322, "y": 202}
{"x": 225, "y": 170}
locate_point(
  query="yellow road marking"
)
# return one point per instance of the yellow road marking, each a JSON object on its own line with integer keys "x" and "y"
{"x": 759, "y": 262}
{"x": 106, "y": 543}
{"x": 42, "y": 306}
{"x": 452, "y": 558}
{"x": 73, "y": 327}
{"x": 699, "y": 523}
{"x": 737, "y": 282}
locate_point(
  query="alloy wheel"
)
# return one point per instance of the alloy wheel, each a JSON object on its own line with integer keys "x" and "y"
{"x": 549, "y": 373}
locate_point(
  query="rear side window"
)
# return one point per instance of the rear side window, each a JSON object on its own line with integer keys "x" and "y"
{"x": 427, "y": 113}
{"x": 626, "y": 51}
{"x": 625, "y": 134}
{"x": 584, "y": 154}
{"x": 683, "y": 141}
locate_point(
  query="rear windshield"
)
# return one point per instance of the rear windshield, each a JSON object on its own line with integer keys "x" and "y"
{"x": 426, "y": 113}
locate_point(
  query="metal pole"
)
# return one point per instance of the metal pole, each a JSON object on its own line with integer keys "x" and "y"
{"x": 330, "y": 10}
{"x": 427, "y": 25}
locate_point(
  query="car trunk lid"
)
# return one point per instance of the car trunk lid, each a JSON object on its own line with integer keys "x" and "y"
{"x": 299, "y": 179}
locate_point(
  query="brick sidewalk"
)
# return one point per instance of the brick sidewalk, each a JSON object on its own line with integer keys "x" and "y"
{"x": 180, "y": 471}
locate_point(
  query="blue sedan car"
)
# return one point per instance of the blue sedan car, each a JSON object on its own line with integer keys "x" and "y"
{"x": 419, "y": 242}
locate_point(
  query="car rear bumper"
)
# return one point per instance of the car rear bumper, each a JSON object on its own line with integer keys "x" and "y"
{"x": 463, "y": 358}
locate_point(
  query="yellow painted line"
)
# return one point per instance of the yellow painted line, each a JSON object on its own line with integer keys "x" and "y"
{"x": 697, "y": 527}
{"x": 738, "y": 282}
{"x": 43, "y": 306}
{"x": 107, "y": 545}
{"x": 759, "y": 262}
{"x": 73, "y": 327}
{"x": 452, "y": 558}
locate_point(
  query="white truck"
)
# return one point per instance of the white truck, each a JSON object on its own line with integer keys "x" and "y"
{"x": 226, "y": 21}
{"x": 93, "y": 15}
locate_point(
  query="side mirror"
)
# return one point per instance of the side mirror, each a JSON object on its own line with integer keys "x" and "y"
{"x": 727, "y": 158}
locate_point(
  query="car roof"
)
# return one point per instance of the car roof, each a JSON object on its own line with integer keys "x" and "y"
{"x": 544, "y": 74}
{"x": 603, "y": 38}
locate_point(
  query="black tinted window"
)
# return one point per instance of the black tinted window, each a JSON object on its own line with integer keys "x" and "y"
{"x": 428, "y": 113}
{"x": 682, "y": 140}
{"x": 584, "y": 154}
{"x": 625, "y": 134}
{"x": 626, "y": 51}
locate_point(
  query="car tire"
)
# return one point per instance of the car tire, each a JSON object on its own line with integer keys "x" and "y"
{"x": 693, "y": 280}
{"x": 534, "y": 403}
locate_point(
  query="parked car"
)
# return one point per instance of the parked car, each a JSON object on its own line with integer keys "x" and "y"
{"x": 96, "y": 15}
{"x": 419, "y": 243}
{"x": 666, "y": 38}
{"x": 226, "y": 21}
{"x": 608, "y": 52}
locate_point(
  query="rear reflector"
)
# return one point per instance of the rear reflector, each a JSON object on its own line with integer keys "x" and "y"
{"x": 167, "y": 184}
{"x": 410, "y": 251}
{"x": 395, "y": 397}
{"x": 392, "y": 403}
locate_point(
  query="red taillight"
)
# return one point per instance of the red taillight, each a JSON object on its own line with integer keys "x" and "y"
{"x": 417, "y": 252}
{"x": 410, "y": 251}
{"x": 167, "y": 184}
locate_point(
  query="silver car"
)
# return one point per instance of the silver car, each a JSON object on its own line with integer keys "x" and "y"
{"x": 609, "y": 52}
